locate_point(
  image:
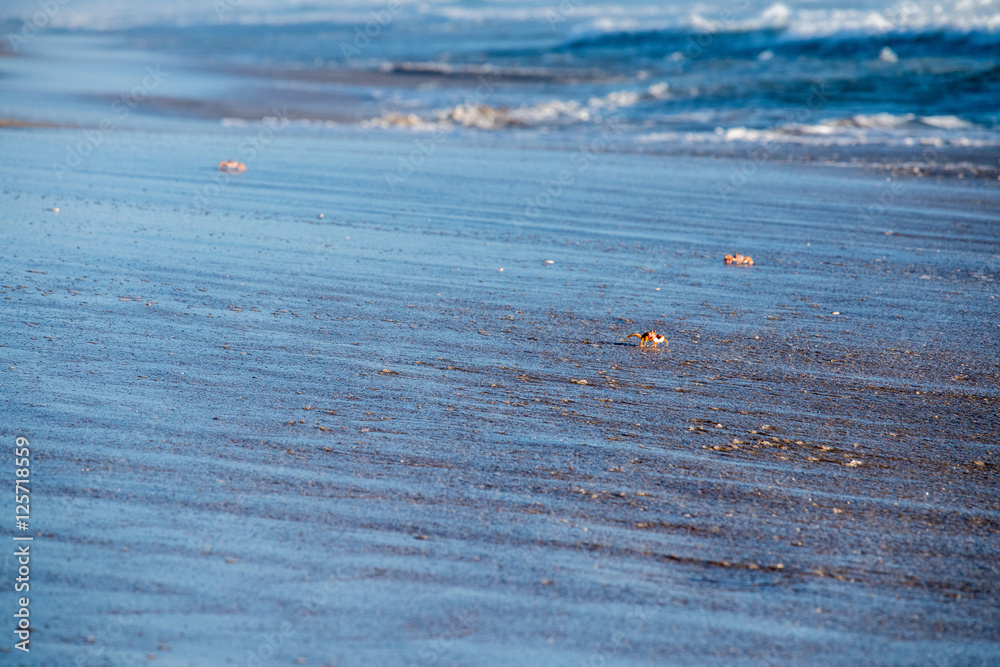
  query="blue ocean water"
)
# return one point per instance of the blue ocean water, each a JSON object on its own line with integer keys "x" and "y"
{"x": 808, "y": 72}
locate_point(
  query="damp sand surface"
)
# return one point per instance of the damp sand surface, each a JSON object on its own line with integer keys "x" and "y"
{"x": 410, "y": 431}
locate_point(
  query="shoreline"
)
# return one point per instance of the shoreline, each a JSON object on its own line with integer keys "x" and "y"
{"x": 160, "y": 90}
{"x": 905, "y": 163}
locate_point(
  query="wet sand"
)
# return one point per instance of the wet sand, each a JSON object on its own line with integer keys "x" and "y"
{"x": 262, "y": 436}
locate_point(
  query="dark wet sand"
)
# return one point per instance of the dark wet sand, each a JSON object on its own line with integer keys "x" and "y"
{"x": 262, "y": 436}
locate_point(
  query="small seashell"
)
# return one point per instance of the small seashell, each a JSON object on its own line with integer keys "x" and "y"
{"x": 232, "y": 167}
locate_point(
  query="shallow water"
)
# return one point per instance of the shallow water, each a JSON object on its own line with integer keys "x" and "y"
{"x": 262, "y": 434}
{"x": 869, "y": 75}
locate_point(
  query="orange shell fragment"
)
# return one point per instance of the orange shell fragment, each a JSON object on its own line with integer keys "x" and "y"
{"x": 232, "y": 166}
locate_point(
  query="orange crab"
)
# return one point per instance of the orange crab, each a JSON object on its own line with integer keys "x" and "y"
{"x": 739, "y": 259}
{"x": 649, "y": 337}
{"x": 232, "y": 167}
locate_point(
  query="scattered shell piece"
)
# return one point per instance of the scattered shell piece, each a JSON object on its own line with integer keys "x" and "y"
{"x": 549, "y": 261}
{"x": 321, "y": 216}
{"x": 853, "y": 463}
{"x": 54, "y": 210}
{"x": 232, "y": 167}
{"x": 579, "y": 382}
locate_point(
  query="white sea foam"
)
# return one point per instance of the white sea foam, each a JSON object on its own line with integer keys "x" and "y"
{"x": 905, "y": 16}
{"x": 888, "y": 55}
{"x": 946, "y": 122}
{"x": 859, "y": 130}
{"x": 808, "y": 19}
{"x": 798, "y": 17}
{"x": 660, "y": 91}
{"x": 551, "y": 112}
{"x": 880, "y": 122}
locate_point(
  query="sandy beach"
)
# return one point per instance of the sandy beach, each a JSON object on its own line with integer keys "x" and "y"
{"x": 373, "y": 399}
{"x": 262, "y": 436}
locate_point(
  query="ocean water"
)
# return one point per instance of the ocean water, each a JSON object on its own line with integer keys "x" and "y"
{"x": 811, "y": 73}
